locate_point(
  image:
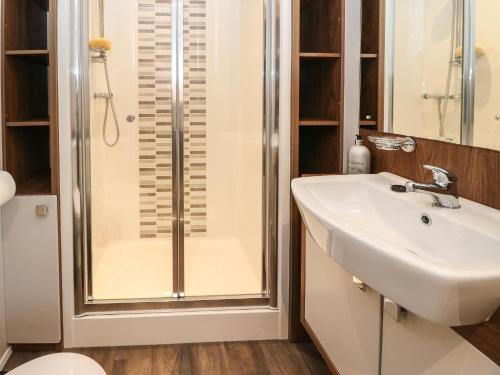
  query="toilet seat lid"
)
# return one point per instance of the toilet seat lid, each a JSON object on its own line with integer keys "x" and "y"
{"x": 60, "y": 364}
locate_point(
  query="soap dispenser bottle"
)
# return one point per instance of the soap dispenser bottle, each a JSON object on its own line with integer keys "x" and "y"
{"x": 358, "y": 158}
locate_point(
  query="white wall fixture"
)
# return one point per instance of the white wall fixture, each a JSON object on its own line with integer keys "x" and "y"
{"x": 31, "y": 259}
{"x": 416, "y": 254}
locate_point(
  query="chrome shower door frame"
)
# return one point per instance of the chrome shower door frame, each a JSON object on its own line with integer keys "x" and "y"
{"x": 81, "y": 178}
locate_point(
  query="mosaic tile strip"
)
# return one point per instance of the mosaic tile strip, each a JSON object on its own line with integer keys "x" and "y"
{"x": 155, "y": 118}
{"x": 195, "y": 123}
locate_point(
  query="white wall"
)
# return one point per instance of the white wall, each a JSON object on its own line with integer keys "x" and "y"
{"x": 235, "y": 65}
{"x": 115, "y": 170}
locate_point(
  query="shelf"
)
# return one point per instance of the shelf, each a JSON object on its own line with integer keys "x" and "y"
{"x": 369, "y": 56}
{"x": 319, "y": 150}
{"x": 320, "y": 89}
{"x": 44, "y": 4}
{"x": 318, "y": 174}
{"x": 368, "y": 123}
{"x": 39, "y": 184}
{"x": 369, "y": 92}
{"x": 319, "y": 55}
{"x": 27, "y": 90}
{"x": 29, "y": 84}
{"x": 317, "y": 122}
{"x": 28, "y": 161}
{"x": 370, "y": 26}
{"x": 320, "y": 26}
{"x": 28, "y": 123}
{"x": 26, "y": 24}
{"x": 40, "y": 56}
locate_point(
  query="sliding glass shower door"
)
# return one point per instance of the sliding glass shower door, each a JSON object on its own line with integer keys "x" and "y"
{"x": 176, "y": 183}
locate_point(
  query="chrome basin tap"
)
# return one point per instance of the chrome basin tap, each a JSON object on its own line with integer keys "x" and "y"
{"x": 444, "y": 189}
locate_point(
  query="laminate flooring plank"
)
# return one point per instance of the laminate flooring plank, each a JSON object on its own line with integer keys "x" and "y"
{"x": 231, "y": 358}
{"x": 246, "y": 358}
{"x": 284, "y": 359}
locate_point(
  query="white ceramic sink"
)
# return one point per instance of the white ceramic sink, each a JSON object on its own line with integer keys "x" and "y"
{"x": 447, "y": 272}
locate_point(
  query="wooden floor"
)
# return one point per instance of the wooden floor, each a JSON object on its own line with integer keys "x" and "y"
{"x": 242, "y": 358}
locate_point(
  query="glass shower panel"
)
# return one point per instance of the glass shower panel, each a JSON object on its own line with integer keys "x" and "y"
{"x": 223, "y": 151}
{"x": 131, "y": 169}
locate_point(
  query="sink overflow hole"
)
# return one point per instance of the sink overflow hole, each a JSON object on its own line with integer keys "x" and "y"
{"x": 426, "y": 219}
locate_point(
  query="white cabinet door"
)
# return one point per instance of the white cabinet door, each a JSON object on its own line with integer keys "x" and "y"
{"x": 31, "y": 257}
{"x": 415, "y": 346}
{"x": 345, "y": 319}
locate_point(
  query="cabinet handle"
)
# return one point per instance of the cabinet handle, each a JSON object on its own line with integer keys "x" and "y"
{"x": 42, "y": 210}
{"x": 359, "y": 284}
{"x": 394, "y": 310}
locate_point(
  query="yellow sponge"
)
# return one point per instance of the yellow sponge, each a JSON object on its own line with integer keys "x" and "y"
{"x": 458, "y": 52}
{"x": 100, "y": 44}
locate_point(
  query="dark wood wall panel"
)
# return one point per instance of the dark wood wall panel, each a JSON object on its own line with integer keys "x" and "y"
{"x": 29, "y": 158}
{"x": 368, "y": 105}
{"x": 320, "y": 26}
{"x": 478, "y": 169}
{"x": 320, "y": 82}
{"x": 319, "y": 150}
{"x": 27, "y": 89}
{"x": 478, "y": 172}
{"x": 370, "y": 26}
{"x": 26, "y": 25}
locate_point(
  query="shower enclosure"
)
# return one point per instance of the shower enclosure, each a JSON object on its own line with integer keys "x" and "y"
{"x": 181, "y": 211}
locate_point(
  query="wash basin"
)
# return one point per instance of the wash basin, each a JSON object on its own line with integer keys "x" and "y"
{"x": 441, "y": 264}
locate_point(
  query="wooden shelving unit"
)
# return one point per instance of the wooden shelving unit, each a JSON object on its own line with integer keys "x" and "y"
{"x": 29, "y": 95}
{"x": 317, "y": 111}
{"x": 372, "y": 65}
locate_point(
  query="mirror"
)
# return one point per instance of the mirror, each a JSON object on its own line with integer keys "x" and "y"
{"x": 431, "y": 46}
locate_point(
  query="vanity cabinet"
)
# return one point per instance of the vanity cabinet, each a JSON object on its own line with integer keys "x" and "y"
{"x": 415, "y": 346}
{"x": 31, "y": 261}
{"x": 355, "y": 336}
{"x": 344, "y": 319}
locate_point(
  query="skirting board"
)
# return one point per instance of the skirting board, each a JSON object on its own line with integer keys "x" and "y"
{"x": 5, "y": 357}
{"x": 174, "y": 328}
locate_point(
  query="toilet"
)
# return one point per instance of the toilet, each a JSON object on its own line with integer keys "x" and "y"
{"x": 60, "y": 364}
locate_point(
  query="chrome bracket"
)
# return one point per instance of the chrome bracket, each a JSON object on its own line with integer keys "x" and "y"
{"x": 407, "y": 144}
{"x": 394, "y": 310}
{"x": 359, "y": 284}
